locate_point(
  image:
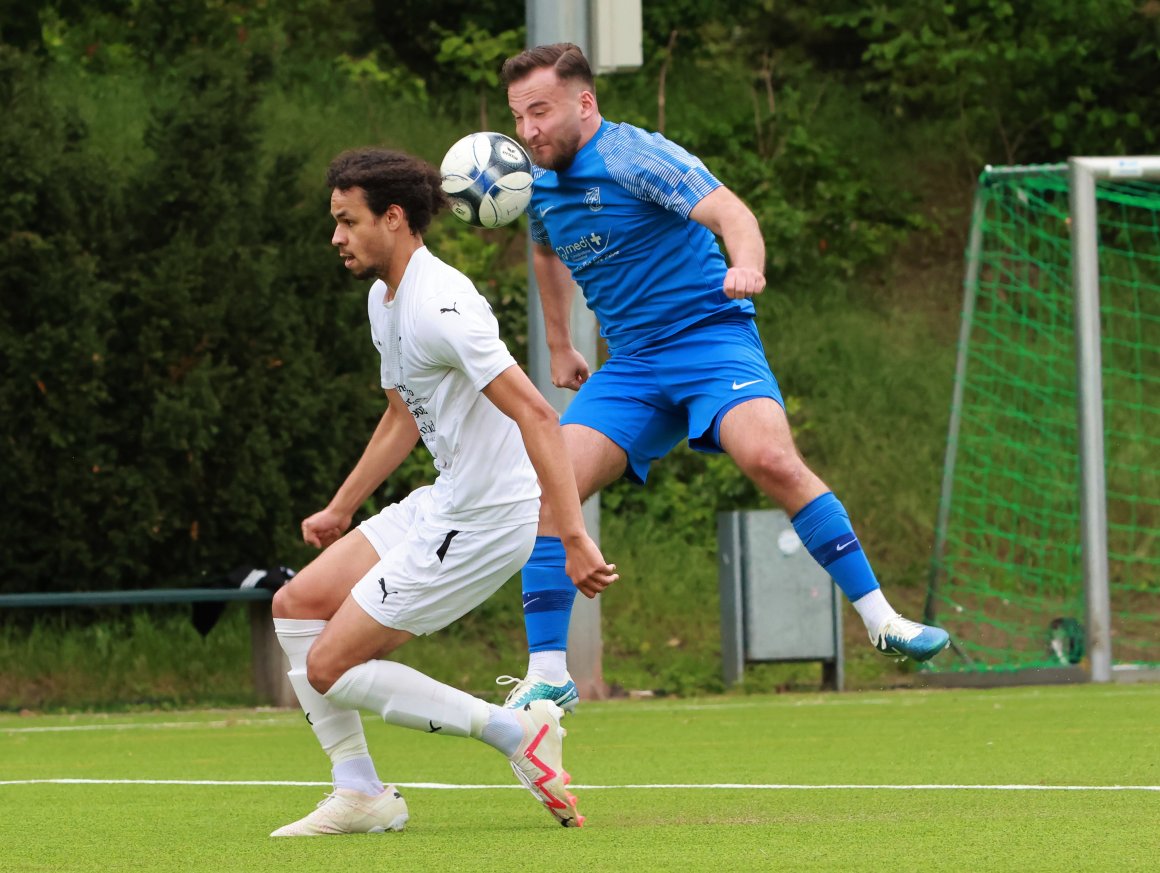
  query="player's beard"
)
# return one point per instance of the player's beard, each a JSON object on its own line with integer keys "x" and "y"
{"x": 368, "y": 271}
{"x": 564, "y": 153}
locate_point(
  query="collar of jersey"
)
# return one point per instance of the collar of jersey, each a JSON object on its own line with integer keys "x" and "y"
{"x": 420, "y": 252}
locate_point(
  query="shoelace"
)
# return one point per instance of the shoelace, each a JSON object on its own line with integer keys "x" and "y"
{"x": 325, "y": 800}
{"x": 520, "y": 686}
{"x": 902, "y": 628}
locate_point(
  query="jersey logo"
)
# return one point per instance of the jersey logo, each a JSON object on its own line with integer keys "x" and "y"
{"x": 592, "y": 198}
{"x": 441, "y": 552}
{"x": 585, "y": 248}
{"x": 451, "y": 308}
{"x": 383, "y": 585}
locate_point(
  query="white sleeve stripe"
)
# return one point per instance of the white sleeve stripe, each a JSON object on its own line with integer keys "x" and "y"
{"x": 537, "y": 231}
{"x": 655, "y": 169}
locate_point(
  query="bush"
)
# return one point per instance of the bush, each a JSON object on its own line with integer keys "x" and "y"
{"x": 185, "y": 374}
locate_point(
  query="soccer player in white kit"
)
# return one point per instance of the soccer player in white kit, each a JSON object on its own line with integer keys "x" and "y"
{"x": 423, "y": 562}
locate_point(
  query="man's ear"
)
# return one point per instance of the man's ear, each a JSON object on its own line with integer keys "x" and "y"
{"x": 395, "y": 217}
{"x": 587, "y": 103}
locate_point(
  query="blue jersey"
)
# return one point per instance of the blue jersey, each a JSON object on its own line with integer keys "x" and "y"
{"x": 618, "y": 218}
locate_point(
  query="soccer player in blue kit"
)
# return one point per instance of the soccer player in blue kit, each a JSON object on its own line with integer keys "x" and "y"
{"x": 633, "y": 219}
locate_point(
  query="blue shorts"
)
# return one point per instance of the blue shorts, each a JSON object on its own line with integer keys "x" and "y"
{"x": 648, "y": 400}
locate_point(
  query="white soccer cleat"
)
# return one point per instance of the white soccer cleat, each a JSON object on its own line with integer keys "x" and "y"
{"x": 346, "y": 811}
{"x": 539, "y": 761}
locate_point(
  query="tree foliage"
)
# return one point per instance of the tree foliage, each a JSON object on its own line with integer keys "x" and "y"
{"x": 1019, "y": 82}
{"x": 184, "y": 366}
{"x": 163, "y": 343}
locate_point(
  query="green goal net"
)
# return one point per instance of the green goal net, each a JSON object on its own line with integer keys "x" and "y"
{"x": 1007, "y": 578}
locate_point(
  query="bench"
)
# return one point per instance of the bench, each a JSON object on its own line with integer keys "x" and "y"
{"x": 271, "y": 686}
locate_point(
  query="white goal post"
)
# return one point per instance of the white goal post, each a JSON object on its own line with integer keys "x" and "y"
{"x": 1084, "y": 173}
{"x": 1044, "y": 564}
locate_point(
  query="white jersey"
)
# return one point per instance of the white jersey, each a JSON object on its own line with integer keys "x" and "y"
{"x": 440, "y": 347}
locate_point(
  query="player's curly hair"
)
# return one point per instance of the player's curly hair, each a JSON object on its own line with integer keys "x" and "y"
{"x": 564, "y": 57}
{"x": 388, "y": 176}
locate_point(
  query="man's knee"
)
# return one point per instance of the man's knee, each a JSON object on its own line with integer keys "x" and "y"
{"x": 547, "y": 523}
{"x": 290, "y": 601}
{"x": 283, "y": 605}
{"x": 775, "y": 467}
{"x": 308, "y": 596}
{"x": 322, "y": 670}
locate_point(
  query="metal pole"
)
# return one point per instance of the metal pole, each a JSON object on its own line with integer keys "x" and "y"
{"x": 1083, "y": 173}
{"x": 1089, "y": 406}
{"x": 550, "y": 21}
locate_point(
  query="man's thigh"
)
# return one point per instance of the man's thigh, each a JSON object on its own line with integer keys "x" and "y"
{"x": 319, "y": 589}
{"x": 623, "y": 402}
{"x": 437, "y": 574}
{"x": 351, "y": 637}
{"x": 709, "y": 370}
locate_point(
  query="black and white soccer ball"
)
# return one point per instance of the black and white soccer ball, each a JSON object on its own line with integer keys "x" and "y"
{"x": 488, "y": 179}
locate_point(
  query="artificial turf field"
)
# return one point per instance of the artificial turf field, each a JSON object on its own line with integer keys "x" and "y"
{"x": 1054, "y": 778}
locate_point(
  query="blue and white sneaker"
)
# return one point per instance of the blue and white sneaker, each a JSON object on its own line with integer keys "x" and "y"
{"x": 533, "y": 687}
{"x": 909, "y": 639}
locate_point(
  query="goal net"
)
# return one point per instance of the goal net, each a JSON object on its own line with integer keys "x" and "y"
{"x": 1023, "y": 538}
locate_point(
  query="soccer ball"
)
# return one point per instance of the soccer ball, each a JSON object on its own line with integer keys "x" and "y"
{"x": 488, "y": 178}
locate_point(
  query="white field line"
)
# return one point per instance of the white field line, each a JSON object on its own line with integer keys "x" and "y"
{"x": 721, "y": 786}
{"x": 154, "y": 726}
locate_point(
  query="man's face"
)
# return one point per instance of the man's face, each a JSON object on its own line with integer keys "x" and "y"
{"x": 548, "y": 113}
{"x": 359, "y": 235}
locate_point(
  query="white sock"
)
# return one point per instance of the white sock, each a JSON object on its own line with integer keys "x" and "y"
{"x": 551, "y": 666}
{"x": 359, "y": 774}
{"x": 503, "y": 730}
{"x": 339, "y": 731}
{"x": 410, "y": 699}
{"x": 874, "y": 610}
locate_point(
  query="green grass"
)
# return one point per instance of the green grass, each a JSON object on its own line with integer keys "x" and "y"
{"x": 78, "y": 659}
{"x": 152, "y": 657}
{"x": 871, "y": 751}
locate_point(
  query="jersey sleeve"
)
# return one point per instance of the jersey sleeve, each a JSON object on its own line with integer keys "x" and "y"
{"x": 655, "y": 169}
{"x": 460, "y": 331}
{"x": 537, "y": 231}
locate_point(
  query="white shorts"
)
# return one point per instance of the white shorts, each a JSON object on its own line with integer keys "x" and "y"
{"x": 428, "y": 575}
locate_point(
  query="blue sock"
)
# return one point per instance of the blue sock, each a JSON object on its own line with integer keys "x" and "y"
{"x": 548, "y": 596}
{"x": 824, "y": 527}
